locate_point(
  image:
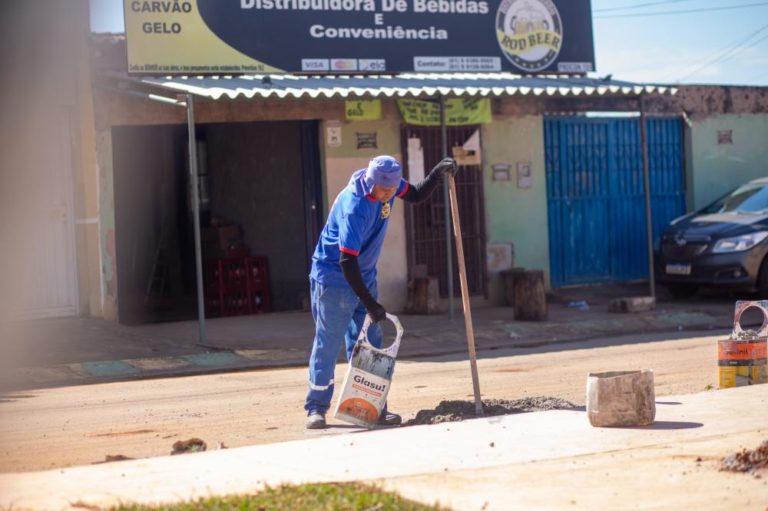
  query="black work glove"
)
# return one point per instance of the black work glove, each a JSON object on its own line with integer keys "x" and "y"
{"x": 446, "y": 167}
{"x": 376, "y": 311}
{"x": 351, "y": 270}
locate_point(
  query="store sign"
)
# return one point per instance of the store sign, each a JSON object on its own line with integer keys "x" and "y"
{"x": 367, "y": 140}
{"x": 358, "y": 36}
{"x": 333, "y": 134}
{"x": 363, "y": 110}
{"x": 458, "y": 111}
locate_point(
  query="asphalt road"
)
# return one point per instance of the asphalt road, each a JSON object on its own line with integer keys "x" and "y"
{"x": 84, "y": 424}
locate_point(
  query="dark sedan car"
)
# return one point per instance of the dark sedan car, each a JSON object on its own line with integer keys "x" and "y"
{"x": 724, "y": 245}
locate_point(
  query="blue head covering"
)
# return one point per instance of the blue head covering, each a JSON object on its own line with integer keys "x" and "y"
{"x": 383, "y": 171}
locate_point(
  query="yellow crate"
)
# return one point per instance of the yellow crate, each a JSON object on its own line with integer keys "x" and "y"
{"x": 739, "y": 376}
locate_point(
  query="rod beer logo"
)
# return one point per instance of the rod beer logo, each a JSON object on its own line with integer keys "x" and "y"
{"x": 529, "y": 32}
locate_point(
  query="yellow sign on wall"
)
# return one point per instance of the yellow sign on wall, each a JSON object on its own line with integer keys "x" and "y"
{"x": 363, "y": 110}
{"x": 172, "y": 38}
{"x": 458, "y": 111}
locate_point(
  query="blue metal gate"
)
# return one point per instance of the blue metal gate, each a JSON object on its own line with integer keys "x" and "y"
{"x": 595, "y": 195}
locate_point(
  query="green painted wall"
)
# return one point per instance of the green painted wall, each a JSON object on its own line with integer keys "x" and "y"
{"x": 339, "y": 164}
{"x": 387, "y": 132}
{"x": 716, "y": 168}
{"x": 516, "y": 215}
{"x": 340, "y": 161}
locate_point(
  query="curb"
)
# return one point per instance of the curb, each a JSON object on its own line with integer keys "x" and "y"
{"x": 223, "y": 360}
{"x": 110, "y": 371}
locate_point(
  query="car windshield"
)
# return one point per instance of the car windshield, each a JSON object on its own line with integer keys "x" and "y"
{"x": 750, "y": 198}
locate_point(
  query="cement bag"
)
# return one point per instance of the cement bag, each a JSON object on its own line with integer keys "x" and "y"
{"x": 368, "y": 378}
{"x": 621, "y": 398}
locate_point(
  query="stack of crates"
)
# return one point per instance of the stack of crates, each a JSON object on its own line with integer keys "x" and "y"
{"x": 236, "y": 286}
{"x": 259, "y": 281}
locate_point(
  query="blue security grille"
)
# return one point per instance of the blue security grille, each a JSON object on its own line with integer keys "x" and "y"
{"x": 595, "y": 195}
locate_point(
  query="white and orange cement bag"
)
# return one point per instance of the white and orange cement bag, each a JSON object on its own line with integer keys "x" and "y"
{"x": 368, "y": 378}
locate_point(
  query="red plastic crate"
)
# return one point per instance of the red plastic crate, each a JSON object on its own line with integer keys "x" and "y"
{"x": 258, "y": 274}
{"x": 237, "y": 286}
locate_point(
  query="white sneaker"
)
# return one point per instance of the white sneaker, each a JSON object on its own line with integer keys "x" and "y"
{"x": 316, "y": 420}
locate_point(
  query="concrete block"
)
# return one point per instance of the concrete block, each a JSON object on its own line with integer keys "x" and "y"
{"x": 633, "y": 304}
{"x": 621, "y": 398}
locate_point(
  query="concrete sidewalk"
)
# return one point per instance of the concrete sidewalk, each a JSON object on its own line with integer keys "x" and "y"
{"x": 74, "y": 351}
{"x": 545, "y": 460}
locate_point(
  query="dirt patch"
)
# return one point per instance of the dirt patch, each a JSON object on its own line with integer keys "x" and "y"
{"x": 747, "y": 461}
{"x": 455, "y": 411}
{"x": 188, "y": 446}
{"x": 110, "y": 458}
{"x": 125, "y": 433}
{"x": 12, "y": 398}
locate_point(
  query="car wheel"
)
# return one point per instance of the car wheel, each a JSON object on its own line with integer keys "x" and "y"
{"x": 682, "y": 290}
{"x": 762, "y": 280}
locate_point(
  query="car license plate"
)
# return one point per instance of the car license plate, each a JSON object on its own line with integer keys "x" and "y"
{"x": 679, "y": 269}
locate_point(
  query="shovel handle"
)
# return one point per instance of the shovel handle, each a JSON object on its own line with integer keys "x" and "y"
{"x": 465, "y": 294}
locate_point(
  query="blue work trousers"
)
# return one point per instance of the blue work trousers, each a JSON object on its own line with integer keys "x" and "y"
{"x": 339, "y": 316}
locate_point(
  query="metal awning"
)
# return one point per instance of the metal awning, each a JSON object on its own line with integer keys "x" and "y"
{"x": 398, "y": 86}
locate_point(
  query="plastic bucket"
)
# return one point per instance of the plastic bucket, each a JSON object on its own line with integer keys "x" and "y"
{"x": 742, "y": 359}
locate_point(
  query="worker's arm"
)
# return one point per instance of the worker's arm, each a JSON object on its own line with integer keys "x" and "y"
{"x": 423, "y": 189}
{"x": 351, "y": 270}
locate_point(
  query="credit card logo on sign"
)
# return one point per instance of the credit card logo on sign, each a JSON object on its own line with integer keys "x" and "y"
{"x": 574, "y": 67}
{"x": 344, "y": 64}
{"x": 372, "y": 65}
{"x": 315, "y": 65}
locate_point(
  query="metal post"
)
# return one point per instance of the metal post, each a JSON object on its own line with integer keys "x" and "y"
{"x": 196, "y": 214}
{"x": 647, "y": 189}
{"x": 448, "y": 248}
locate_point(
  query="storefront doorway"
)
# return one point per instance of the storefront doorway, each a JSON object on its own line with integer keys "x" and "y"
{"x": 260, "y": 196}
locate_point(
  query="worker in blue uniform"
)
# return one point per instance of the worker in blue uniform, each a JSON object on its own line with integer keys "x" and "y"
{"x": 343, "y": 277}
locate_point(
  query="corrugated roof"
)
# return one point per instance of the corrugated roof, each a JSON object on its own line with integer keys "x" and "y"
{"x": 398, "y": 86}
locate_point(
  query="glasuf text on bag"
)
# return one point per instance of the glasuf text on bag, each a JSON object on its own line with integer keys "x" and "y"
{"x": 368, "y": 379}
